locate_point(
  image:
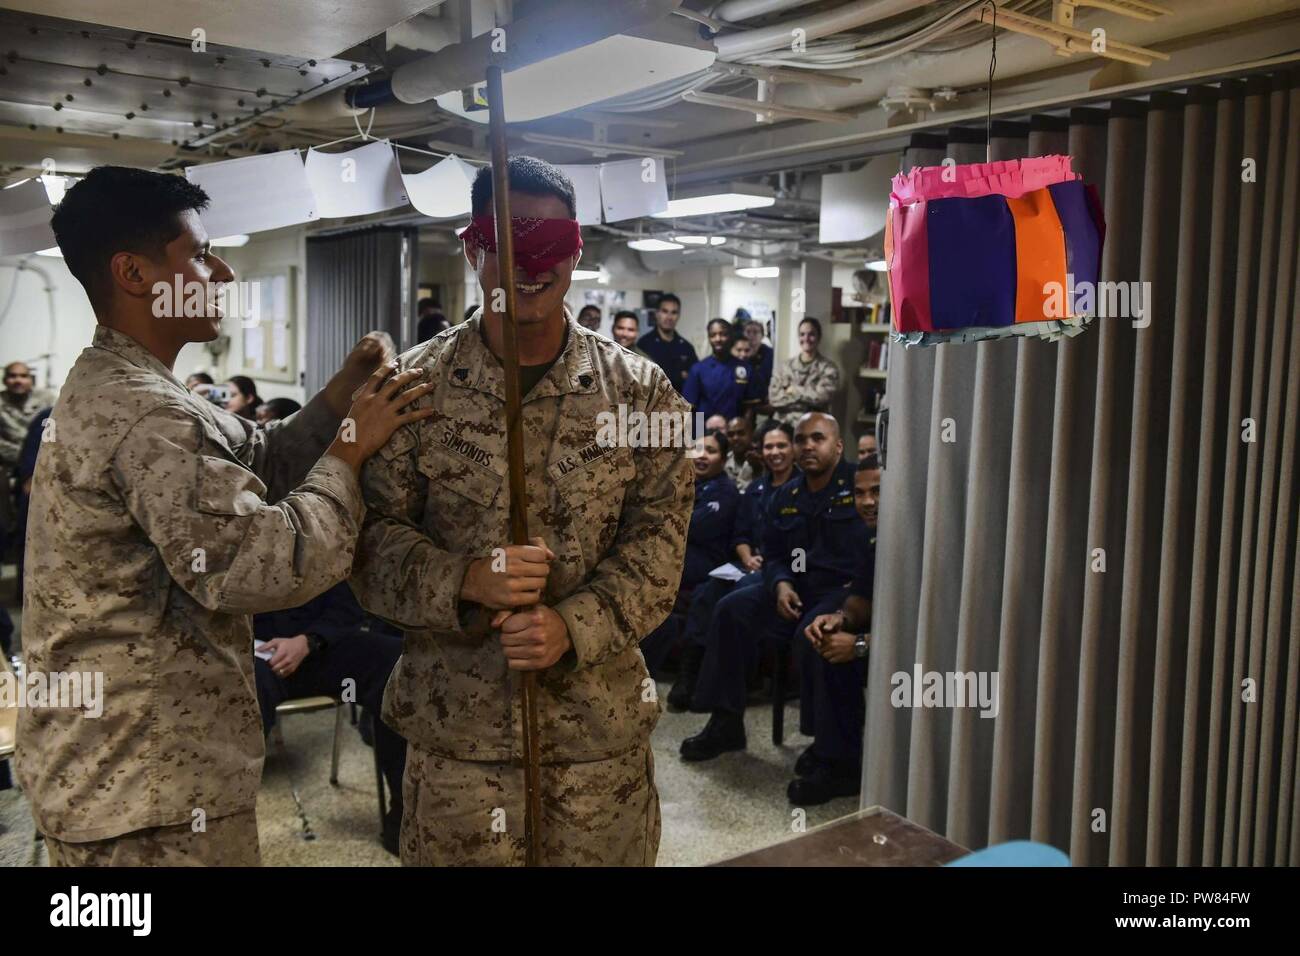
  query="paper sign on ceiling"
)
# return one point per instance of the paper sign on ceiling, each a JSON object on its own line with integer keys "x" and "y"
{"x": 442, "y": 190}
{"x": 25, "y": 219}
{"x": 853, "y": 204}
{"x": 254, "y": 194}
{"x": 356, "y": 182}
{"x": 633, "y": 187}
{"x": 586, "y": 187}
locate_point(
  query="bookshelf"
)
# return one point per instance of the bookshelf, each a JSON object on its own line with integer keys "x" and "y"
{"x": 869, "y": 314}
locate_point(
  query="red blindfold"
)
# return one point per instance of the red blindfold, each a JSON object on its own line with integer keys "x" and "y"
{"x": 539, "y": 243}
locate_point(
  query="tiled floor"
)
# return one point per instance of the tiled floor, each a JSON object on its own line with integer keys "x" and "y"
{"x": 710, "y": 811}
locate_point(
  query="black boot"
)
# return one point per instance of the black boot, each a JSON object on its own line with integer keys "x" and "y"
{"x": 807, "y": 763}
{"x": 679, "y": 698}
{"x": 725, "y": 731}
{"x": 824, "y": 784}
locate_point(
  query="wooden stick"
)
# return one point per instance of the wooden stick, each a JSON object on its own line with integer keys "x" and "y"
{"x": 514, "y": 442}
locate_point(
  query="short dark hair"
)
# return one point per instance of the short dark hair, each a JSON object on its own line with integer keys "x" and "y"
{"x": 627, "y": 314}
{"x": 669, "y": 297}
{"x": 594, "y": 308}
{"x": 527, "y": 174}
{"x": 773, "y": 425}
{"x": 278, "y": 408}
{"x": 428, "y": 302}
{"x": 203, "y": 378}
{"x": 712, "y": 322}
{"x": 119, "y": 209}
{"x": 718, "y": 435}
{"x": 809, "y": 320}
{"x": 869, "y": 463}
{"x": 429, "y": 326}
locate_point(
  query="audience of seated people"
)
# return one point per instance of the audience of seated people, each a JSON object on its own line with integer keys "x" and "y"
{"x": 816, "y": 528}
{"x": 707, "y": 539}
{"x": 777, "y": 444}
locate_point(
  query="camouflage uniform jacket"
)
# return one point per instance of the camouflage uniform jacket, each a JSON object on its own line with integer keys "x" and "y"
{"x": 437, "y": 497}
{"x": 798, "y": 387}
{"x": 15, "y": 419}
{"x": 149, "y": 543}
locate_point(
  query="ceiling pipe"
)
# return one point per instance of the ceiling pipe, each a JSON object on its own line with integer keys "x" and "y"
{"x": 565, "y": 25}
{"x": 814, "y": 26}
{"x": 736, "y": 10}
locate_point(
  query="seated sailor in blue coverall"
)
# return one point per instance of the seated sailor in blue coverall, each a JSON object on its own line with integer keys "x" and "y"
{"x": 708, "y": 539}
{"x": 832, "y": 665}
{"x": 811, "y": 542}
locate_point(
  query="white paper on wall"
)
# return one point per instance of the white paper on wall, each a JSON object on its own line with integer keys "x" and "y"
{"x": 442, "y": 190}
{"x": 633, "y": 187}
{"x": 25, "y": 219}
{"x": 254, "y": 194}
{"x": 586, "y": 188}
{"x": 356, "y": 182}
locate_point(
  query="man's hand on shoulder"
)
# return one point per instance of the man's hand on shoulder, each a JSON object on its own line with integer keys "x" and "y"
{"x": 378, "y": 409}
{"x": 532, "y": 639}
{"x": 375, "y": 349}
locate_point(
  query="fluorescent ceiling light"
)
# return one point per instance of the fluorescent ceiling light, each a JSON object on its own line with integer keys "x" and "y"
{"x": 230, "y": 242}
{"x": 877, "y": 265}
{"x": 580, "y": 274}
{"x": 759, "y": 272}
{"x": 52, "y": 251}
{"x": 708, "y": 205}
{"x": 653, "y": 245}
{"x": 700, "y": 240}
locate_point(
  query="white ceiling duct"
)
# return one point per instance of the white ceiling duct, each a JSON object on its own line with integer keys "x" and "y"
{"x": 814, "y": 26}
{"x": 735, "y": 10}
{"x": 565, "y": 26}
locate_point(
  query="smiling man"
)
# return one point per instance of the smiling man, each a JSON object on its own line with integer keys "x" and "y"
{"x": 608, "y": 526}
{"x": 151, "y": 541}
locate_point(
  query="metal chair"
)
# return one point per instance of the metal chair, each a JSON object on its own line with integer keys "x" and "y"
{"x": 310, "y": 705}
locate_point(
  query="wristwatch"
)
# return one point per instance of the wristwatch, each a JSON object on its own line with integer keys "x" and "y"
{"x": 860, "y": 645}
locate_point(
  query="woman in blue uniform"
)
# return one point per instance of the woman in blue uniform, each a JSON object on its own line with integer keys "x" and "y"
{"x": 708, "y": 541}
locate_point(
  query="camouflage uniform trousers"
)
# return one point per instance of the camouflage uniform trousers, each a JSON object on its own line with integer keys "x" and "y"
{"x": 228, "y": 841}
{"x": 470, "y": 813}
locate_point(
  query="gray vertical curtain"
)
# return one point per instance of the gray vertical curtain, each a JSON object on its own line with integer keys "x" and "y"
{"x": 1147, "y": 711}
{"x": 357, "y": 282}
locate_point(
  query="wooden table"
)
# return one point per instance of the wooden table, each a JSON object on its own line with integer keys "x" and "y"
{"x": 871, "y": 837}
